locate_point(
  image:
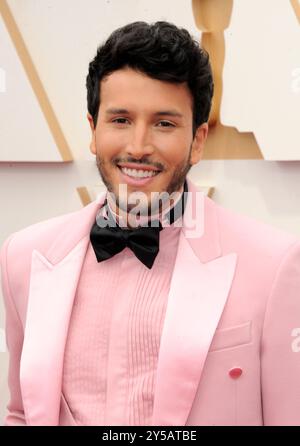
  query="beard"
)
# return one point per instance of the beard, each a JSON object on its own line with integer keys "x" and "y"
{"x": 175, "y": 183}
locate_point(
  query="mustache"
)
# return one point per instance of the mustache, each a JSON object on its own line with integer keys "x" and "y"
{"x": 138, "y": 162}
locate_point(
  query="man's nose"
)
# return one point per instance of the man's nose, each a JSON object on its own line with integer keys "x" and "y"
{"x": 139, "y": 143}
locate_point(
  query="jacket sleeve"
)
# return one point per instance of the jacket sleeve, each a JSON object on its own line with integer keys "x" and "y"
{"x": 14, "y": 341}
{"x": 280, "y": 346}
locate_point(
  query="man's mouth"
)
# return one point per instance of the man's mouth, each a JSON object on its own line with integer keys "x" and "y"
{"x": 138, "y": 171}
{"x": 141, "y": 175}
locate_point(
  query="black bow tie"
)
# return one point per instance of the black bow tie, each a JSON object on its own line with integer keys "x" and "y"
{"x": 110, "y": 239}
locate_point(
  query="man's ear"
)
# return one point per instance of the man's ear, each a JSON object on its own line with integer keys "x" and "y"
{"x": 198, "y": 143}
{"x": 93, "y": 140}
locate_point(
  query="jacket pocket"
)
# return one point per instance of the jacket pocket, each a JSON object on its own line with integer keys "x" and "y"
{"x": 231, "y": 337}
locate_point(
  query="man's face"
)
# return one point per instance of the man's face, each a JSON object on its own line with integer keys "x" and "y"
{"x": 144, "y": 128}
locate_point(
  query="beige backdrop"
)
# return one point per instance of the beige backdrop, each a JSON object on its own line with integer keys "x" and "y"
{"x": 44, "y": 58}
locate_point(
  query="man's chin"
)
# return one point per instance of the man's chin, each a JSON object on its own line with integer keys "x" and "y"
{"x": 146, "y": 201}
{"x": 143, "y": 207}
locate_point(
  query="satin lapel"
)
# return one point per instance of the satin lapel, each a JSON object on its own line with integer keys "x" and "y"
{"x": 53, "y": 282}
{"x": 199, "y": 288}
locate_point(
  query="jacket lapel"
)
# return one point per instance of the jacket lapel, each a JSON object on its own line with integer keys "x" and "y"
{"x": 199, "y": 288}
{"x": 53, "y": 282}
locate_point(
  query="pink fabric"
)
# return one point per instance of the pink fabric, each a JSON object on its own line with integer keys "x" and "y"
{"x": 114, "y": 335}
{"x": 233, "y": 302}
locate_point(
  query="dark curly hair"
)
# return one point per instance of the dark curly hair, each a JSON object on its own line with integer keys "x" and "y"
{"x": 162, "y": 51}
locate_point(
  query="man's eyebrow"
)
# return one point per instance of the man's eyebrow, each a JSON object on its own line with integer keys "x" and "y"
{"x": 116, "y": 111}
{"x": 169, "y": 113}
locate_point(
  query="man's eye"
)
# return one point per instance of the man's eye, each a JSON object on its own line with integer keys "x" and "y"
{"x": 166, "y": 124}
{"x": 124, "y": 120}
{"x": 120, "y": 120}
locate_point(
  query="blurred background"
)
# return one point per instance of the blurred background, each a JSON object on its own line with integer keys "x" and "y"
{"x": 252, "y": 157}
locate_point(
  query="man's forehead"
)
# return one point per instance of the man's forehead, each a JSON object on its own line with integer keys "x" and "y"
{"x": 128, "y": 91}
{"x": 122, "y": 80}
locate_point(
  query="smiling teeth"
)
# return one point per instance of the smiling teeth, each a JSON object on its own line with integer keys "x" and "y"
{"x": 139, "y": 173}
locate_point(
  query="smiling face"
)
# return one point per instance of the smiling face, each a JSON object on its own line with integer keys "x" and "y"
{"x": 143, "y": 137}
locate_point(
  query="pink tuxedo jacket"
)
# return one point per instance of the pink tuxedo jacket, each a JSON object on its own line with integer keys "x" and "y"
{"x": 230, "y": 348}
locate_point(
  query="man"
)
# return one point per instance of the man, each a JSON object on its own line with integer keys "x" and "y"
{"x": 187, "y": 315}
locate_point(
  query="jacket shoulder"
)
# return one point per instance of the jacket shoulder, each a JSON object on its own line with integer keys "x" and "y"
{"x": 16, "y": 251}
{"x": 239, "y": 230}
{"x": 37, "y": 232}
{"x": 40, "y": 235}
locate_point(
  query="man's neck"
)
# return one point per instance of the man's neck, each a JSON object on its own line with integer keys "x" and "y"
{"x": 126, "y": 220}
